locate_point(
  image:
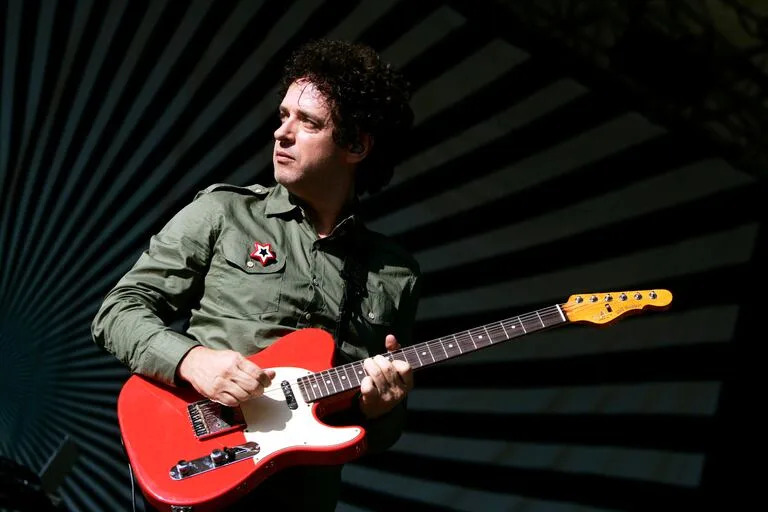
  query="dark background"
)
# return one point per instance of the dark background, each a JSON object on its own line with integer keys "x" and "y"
{"x": 560, "y": 147}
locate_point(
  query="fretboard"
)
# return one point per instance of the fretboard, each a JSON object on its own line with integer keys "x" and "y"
{"x": 349, "y": 376}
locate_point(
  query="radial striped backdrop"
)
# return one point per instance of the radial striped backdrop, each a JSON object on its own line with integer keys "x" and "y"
{"x": 527, "y": 180}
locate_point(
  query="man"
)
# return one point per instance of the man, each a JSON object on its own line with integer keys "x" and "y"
{"x": 253, "y": 264}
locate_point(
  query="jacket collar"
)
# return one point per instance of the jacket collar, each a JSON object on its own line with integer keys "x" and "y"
{"x": 282, "y": 202}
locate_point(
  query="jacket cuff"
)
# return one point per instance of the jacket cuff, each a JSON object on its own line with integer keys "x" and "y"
{"x": 165, "y": 352}
{"x": 384, "y": 431}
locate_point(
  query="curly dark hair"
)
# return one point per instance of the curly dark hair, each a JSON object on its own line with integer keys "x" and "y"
{"x": 365, "y": 95}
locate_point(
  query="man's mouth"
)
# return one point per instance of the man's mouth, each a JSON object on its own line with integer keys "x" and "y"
{"x": 281, "y": 155}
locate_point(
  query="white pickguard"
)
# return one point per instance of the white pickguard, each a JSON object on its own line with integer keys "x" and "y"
{"x": 275, "y": 427}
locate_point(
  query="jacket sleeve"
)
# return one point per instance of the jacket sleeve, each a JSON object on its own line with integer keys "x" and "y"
{"x": 133, "y": 321}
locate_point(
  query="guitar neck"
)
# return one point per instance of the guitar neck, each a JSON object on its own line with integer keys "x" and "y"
{"x": 339, "y": 379}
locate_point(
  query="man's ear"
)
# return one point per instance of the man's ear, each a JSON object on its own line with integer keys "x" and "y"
{"x": 359, "y": 150}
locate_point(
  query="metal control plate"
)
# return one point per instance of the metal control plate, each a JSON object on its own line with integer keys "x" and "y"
{"x": 189, "y": 468}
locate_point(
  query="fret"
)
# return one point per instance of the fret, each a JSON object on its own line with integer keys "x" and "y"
{"x": 300, "y": 383}
{"x": 443, "y": 346}
{"x": 348, "y": 383}
{"x": 401, "y": 355}
{"x": 325, "y": 385}
{"x": 521, "y": 324}
{"x": 430, "y": 352}
{"x": 359, "y": 372}
{"x": 540, "y": 320}
{"x": 355, "y": 378}
{"x": 482, "y": 339}
{"x": 465, "y": 345}
{"x": 531, "y": 324}
{"x": 413, "y": 349}
{"x": 331, "y": 379}
{"x": 458, "y": 344}
{"x": 424, "y": 353}
{"x": 490, "y": 338}
{"x": 560, "y": 310}
{"x": 340, "y": 379}
{"x": 506, "y": 334}
{"x": 310, "y": 395}
{"x": 316, "y": 391}
{"x": 454, "y": 346}
{"x": 351, "y": 379}
{"x": 478, "y": 338}
{"x": 404, "y": 356}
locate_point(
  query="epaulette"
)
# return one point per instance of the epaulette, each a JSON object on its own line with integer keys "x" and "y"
{"x": 250, "y": 189}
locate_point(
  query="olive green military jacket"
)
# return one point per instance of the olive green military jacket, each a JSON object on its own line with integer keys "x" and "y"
{"x": 248, "y": 267}
{"x": 244, "y": 266}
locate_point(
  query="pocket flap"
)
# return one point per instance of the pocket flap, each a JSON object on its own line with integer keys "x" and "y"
{"x": 378, "y": 308}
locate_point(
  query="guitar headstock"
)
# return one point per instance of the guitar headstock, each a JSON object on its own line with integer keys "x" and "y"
{"x": 605, "y": 307}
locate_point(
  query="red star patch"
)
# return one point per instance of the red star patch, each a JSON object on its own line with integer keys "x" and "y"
{"x": 263, "y": 253}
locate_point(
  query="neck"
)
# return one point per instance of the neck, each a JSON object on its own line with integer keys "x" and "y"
{"x": 324, "y": 219}
{"x": 325, "y": 208}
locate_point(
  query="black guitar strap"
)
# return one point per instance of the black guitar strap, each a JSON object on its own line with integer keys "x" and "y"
{"x": 355, "y": 276}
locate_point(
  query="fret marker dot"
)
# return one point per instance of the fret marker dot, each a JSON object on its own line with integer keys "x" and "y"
{"x": 450, "y": 345}
{"x": 343, "y": 377}
{"x": 314, "y": 385}
{"x": 514, "y": 326}
{"x": 423, "y": 353}
{"x": 480, "y": 337}
{"x": 327, "y": 382}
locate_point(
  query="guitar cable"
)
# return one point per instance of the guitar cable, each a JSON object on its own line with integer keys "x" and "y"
{"x": 133, "y": 489}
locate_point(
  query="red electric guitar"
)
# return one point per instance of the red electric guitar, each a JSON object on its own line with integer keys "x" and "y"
{"x": 187, "y": 451}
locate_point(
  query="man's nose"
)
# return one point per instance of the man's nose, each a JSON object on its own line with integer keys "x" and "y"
{"x": 284, "y": 131}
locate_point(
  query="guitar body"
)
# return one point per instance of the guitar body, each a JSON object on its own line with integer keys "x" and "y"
{"x": 157, "y": 431}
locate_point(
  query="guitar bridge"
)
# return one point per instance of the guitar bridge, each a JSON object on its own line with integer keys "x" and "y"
{"x": 209, "y": 418}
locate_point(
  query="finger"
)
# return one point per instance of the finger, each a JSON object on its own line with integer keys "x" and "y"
{"x": 390, "y": 342}
{"x": 258, "y": 375}
{"x": 265, "y": 377}
{"x": 225, "y": 398}
{"x": 367, "y": 389}
{"x": 239, "y": 393}
{"x": 249, "y": 367}
{"x": 246, "y": 381}
{"x": 405, "y": 372}
{"x": 387, "y": 370}
{"x": 374, "y": 372}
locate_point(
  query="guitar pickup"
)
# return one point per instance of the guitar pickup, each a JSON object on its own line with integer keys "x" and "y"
{"x": 290, "y": 399}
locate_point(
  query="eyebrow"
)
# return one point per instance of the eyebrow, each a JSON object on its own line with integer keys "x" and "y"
{"x": 305, "y": 115}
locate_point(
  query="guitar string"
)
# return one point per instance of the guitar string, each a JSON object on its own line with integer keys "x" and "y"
{"x": 460, "y": 337}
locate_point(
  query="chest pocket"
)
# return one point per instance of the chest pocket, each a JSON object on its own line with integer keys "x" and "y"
{"x": 376, "y": 320}
{"x": 246, "y": 288}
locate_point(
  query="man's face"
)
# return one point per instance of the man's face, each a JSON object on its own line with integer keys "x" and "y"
{"x": 305, "y": 153}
